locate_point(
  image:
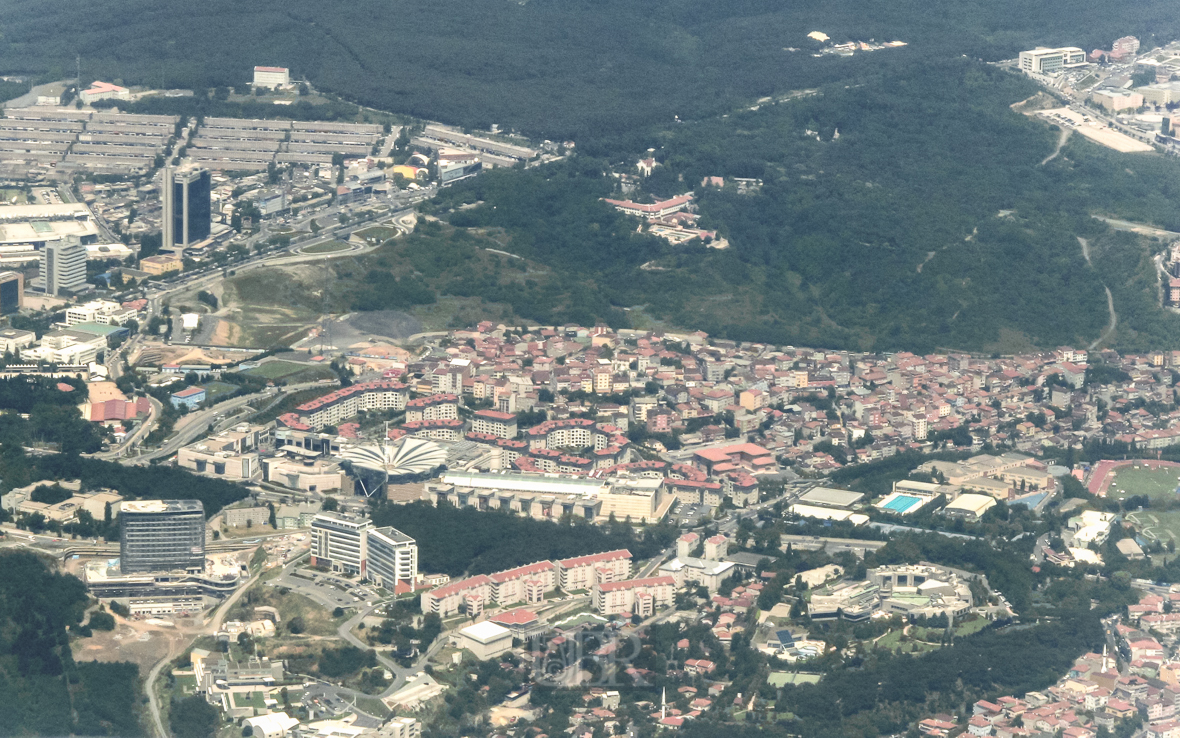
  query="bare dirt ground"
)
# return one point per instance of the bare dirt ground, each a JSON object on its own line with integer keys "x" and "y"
{"x": 137, "y": 641}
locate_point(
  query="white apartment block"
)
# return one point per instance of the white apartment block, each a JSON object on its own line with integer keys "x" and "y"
{"x": 393, "y": 558}
{"x": 339, "y": 543}
{"x": 338, "y": 406}
{"x": 440, "y": 406}
{"x": 527, "y": 584}
{"x": 457, "y": 597}
{"x": 494, "y": 423}
{"x": 1051, "y": 61}
{"x": 272, "y": 77}
{"x": 641, "y": 597}
{"x": 583, "y": 572}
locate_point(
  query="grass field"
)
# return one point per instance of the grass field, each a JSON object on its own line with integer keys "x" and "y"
{"x": 216, "y": 391}
{"x": 1156, "y": 484}
{"x": 290, "y": 371}
{"x": 328, "y": 247}
{"x": 377, "y": 233}
{"x": 1157, "y": 524}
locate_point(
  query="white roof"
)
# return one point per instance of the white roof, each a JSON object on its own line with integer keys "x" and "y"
{"x": 275, "y": 722}
{"x": 972, "y": 503}
{"x": 485, "y": 632}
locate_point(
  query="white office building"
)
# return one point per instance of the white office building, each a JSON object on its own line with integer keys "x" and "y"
{"x": 272, "y": 77}
{"x": 1051, "y": 61}
{"x": 393, "y": 558}
{"x": 339, "y": 542}
{"x": 63, "y": 266}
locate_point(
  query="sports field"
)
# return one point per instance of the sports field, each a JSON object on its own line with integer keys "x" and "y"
{"x": 1157, "y": 484}
{"x": 290, "y": 371}
{"x": 1157, "y": 524}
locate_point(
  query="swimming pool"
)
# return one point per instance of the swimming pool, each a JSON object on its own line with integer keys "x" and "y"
{"x": 902, "y": 504}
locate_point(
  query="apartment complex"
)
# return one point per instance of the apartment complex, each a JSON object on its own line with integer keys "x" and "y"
{"x": 344, "y": 403}
{"x": 442, "y": 406}
{"x": 584, "y": 572}
{"x": 641, "y": 597}
{"x": 161, "y": 535}
{"x": 494, "y": 423}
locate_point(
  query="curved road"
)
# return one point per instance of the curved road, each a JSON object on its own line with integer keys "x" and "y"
{"x": 212, "y": 626}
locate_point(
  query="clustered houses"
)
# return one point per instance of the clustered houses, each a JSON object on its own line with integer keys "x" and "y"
{"x": 743, "y": 411}
{"x": 1148, "y": 686}
{"x": 528, "y": 584}
{"x": 815, "y": 410}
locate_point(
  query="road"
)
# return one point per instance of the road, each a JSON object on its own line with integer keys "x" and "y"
{"x": 198, "y": 422}
{"x": 212, "y": 626}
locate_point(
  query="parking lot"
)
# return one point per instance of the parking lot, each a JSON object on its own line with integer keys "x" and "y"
{"x": 325, "y": 589}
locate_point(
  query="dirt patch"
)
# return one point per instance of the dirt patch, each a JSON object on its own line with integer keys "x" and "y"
{"x": 137, "y": 642}
{"x": 391, "y": 324}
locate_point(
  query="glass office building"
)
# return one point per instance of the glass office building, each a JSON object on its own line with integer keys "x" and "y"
{"x": 162, "y": 535}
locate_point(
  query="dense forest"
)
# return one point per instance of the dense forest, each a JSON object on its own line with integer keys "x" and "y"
{"x": 909, "y": 211}
{"x": 42, "y": 690}
{"x": 465, "y": 540}
{"x": 583, "y": 70}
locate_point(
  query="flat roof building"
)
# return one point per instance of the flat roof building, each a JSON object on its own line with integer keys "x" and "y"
{"x": 339, "y": 543}
{"x": 1051, "y": 61}
{"x": 393, "y": 558}
{"x": 161, "y": 535}
{"x": 486, "y": 640}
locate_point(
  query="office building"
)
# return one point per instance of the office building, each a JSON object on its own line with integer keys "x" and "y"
{"x": 393, "y": 558}
{"x": 1051, "y": 61}
{"x": 12, "y": 292}
{"x": 161, "y": 535}
{"x": 339, "y": 543}
{"x": 272, "y": 77}
{"x": 63, "y": 266}
{"x": 187, "y": 207}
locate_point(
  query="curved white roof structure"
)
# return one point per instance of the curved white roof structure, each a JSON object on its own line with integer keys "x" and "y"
{"x": 411, "y": 456}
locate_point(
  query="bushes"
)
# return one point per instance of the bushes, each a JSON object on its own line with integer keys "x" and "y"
{"x": 102, "y": 621}
{"x": 344, "y": 661}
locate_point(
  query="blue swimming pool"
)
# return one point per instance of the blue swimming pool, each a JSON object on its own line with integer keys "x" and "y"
{"x": 902, "y": 503}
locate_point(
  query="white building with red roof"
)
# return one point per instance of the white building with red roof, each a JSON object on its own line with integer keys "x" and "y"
{"x": 272, "y": 77}
{"x": 642, "y": 597}
{"x": 452, "y": 598}
{"x": 584, "y": 572}
{"x": 524, "y": 583}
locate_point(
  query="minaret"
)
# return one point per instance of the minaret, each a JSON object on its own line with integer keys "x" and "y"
{"x": 664, "y": 704}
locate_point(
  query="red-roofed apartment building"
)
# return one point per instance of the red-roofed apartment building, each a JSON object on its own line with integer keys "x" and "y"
{"x": 583, "y": 572}
{"x": 524, "y": 583}
{"x": 452, "y": 598}
{"x": 639, "y": 596}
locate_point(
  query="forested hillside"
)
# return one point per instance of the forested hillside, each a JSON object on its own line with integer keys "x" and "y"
{"x": 559, "y": 68}
{"x": 42, "y": 690}
{"x": 910, "y": 210}
{"x": 465, "y": 540}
